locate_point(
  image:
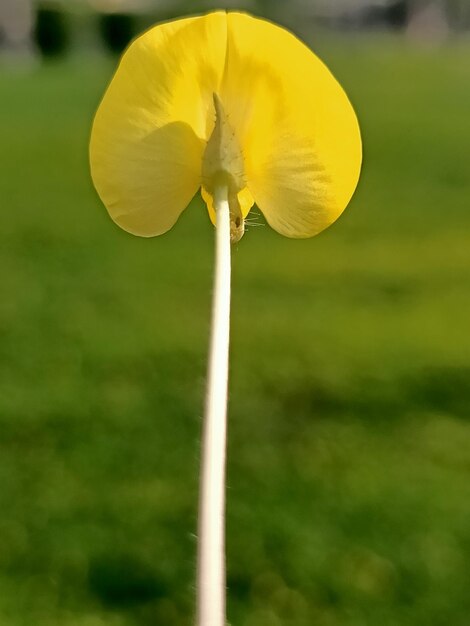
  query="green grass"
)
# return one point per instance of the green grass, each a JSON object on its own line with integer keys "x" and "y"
{"x": 349, "y": 452}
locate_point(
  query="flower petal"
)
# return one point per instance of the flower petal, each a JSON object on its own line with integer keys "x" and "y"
{"x": 150, "y": 130}
{"x": 297, "y": 129}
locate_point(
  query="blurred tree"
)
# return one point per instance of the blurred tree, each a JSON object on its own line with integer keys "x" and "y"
{"x": 117, "y": 30}
{"x": 51, "y": 33}
{"x": 396, "y": 13}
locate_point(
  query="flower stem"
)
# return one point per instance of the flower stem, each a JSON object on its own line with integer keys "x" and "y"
{"x": 211, "y": 548}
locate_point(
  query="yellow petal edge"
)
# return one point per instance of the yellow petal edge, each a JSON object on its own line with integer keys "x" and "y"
{"x": 296, "y": 132}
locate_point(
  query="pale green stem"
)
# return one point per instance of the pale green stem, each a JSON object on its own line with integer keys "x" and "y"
{"x": 211, "y": 583}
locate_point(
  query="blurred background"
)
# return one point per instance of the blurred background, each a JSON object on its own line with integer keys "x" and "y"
{"x": 349, "y": 434}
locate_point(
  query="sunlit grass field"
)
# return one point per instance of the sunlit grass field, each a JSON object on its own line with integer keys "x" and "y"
{"x": 349, "y": 443}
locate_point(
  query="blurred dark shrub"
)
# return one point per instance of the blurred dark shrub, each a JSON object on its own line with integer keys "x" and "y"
{"x": 51, "y": 33}
{"x": 117, "y": 30}
{"x": 124, "y": 580}
{"x": 397, "y": 14}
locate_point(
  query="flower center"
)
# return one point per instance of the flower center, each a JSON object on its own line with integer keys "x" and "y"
{"x": 223, "y": 166}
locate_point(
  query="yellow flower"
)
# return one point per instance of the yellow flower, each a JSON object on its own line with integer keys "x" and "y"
{"x": 224, "y": 99}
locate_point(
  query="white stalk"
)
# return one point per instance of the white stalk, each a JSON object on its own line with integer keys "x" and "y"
{"x": 211, "y": 583}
